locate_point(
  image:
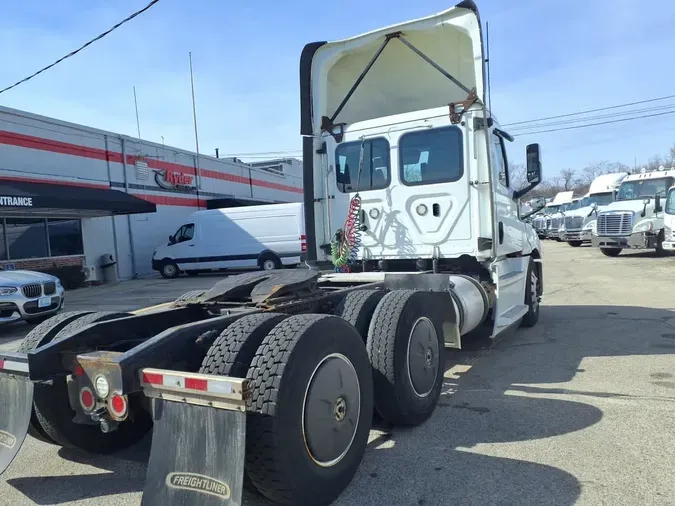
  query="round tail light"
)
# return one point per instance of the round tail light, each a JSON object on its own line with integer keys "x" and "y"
{"x": 87, "y": 399}
{"x": 118, "y": 405}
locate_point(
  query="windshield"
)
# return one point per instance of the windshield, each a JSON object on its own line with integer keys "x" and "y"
{"x": 552, "y": 209}
{"x": 602, "y": 199}
{"x": 670, "y": 203}
{"x": 643, "y": 188}
{"x": 574, "y": 205}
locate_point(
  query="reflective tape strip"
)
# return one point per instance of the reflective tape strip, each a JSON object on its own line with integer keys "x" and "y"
{"x": 179, "y": 381}
{"x": 13, "y": 366}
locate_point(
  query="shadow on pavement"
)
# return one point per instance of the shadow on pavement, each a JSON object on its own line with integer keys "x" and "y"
{"x": 488, "y": 399}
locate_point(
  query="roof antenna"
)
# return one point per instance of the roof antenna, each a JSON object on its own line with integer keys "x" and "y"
{"x": 487, "y": 63}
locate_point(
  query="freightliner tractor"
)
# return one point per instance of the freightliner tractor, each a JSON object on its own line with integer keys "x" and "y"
{"x": 635, "y": 219}
{"x": 580, "y": 224}
{"x": 558, "y": 219}
{"x": 669, "y": 221}
{"x": 272, "y": 378}
{"x": 544, "y": 223}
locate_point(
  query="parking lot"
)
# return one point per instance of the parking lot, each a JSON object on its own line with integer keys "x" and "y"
{"x": 577, "y": 410}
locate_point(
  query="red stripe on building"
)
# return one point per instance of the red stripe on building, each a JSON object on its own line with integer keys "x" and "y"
{"x": 162, "y": 200}
{"x": 66, "y": 148}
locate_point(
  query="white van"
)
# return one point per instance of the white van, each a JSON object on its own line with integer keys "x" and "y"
{"x": 266, "y": 237}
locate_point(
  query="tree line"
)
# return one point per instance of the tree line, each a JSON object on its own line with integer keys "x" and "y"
{"x": 579, "y": 180}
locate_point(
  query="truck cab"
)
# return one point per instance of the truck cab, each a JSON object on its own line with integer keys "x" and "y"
{"x": 636, "y": 219}
{"x": 581, "y": 223}
{"x": 669, "y": 221}
{"x": 412, "y": 175}
{"x": 559, "y": 219}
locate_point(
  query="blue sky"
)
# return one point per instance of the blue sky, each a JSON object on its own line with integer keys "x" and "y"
{"x": 549, "y": 57}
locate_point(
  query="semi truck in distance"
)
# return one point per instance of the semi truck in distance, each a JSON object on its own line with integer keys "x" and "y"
{"x": 669, "y": 221}
{"x": 414, "y": 245}
{"x": 580, "y": 224}
{"x": 635, "y": 220}
{"x": 543, "y": 224}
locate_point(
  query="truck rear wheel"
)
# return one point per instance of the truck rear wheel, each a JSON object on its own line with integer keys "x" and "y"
{"x": 53, "y": 411}
{"x": 406, "y": 350}
{"x": 611, "y": 252}
{"x": 40, "y": 335}
{"x": 357, "y": 308}
{"x": 190, "y": 296}
{"x": 232, "y": 352}
{"x": 311, "y": 409}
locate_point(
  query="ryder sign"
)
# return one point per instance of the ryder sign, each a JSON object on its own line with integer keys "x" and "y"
{"x": 171, "y": 180}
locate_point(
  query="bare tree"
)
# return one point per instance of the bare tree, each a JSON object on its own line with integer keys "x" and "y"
{"x": 567, "y": 179}
{"x": 517, "y": 176}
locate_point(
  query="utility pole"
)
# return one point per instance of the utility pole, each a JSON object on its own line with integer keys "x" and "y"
{"x": 138, "y": 123}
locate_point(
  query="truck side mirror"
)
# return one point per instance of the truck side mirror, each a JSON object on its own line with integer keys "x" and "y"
{"x": 533, "y": 170}
{"x": 657, "y": 204}
{"x": 533, "y": 155}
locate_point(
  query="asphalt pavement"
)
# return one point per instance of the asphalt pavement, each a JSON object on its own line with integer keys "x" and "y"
{"x": 577, "y": 410}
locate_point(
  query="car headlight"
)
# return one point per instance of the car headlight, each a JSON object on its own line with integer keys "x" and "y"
{"x": 7, "y": 290}
{"x": 645, "y": 226}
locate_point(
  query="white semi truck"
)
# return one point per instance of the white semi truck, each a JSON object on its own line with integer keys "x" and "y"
{"x": 669, "y": 221}
{"x": 543, "y": 224}
{"x": 580, "y": 224}
{"x": 636, "y": 219}
{"x": 274, "y": 375}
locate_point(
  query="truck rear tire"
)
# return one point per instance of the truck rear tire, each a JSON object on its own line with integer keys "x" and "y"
{"x": 611, "y": 252}
{"x": 311, "y": 410}
{"x": 53, "y": 411}
{"x": 43, "y": 334}
{"x": 532, "y": 289}
{"x": 407, "y": 351}
{"x": 233, "y": 350}
{"x": 357, "y": 308}
{"x": 190, "y": 296}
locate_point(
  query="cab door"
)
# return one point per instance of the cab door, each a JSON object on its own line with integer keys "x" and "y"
{"x": 510, "y": 229}
{"x": 183, "y": 250}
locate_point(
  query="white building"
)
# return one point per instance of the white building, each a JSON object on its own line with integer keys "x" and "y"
{"x": 70, "y": 194}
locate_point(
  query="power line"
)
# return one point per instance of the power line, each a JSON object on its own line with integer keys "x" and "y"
{"x": 73, "y": 53}
{"x": 598, "y": 124}
{"x": 641, "y": 112}
{"x": 592, "y": 110}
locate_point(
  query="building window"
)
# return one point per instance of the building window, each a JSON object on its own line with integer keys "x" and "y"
{"x": 431, "y": 156}
{"x": 26, "y": 238}
{"x": 374, "y": 175}
{"x": 65, "y": 237}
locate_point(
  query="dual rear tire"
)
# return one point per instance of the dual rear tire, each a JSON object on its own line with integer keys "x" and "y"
{"x": 317, "y": 379}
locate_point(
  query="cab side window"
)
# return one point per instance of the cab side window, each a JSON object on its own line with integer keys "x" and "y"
{"x": 185, "y": 233}
{"x": 500, "y": 165}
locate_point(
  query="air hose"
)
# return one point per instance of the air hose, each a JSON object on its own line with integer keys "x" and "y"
{"x": 345, "y": 245}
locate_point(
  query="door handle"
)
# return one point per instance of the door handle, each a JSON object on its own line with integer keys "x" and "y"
{"x": 501, "y": 232}
{"x": 191, "y": 245}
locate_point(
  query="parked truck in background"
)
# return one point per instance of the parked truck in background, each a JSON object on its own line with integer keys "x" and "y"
{"x": 544, "y": 223}
{"x": 580, "y": 224}
{"x": 559, "y": 218}
{"x": 276, "y": 374}
{"x": 636, "y": 219}
{"x": 669, "y": 221}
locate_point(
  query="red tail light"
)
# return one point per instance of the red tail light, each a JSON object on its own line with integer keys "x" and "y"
{"x": 87, "y": 399}
{"x": 118, "y": 405}
{"x": 303, "y": 243}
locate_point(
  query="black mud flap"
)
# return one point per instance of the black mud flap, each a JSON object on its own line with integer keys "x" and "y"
{"x": 197, "y": 456}
{"x": 16, "y": 402}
